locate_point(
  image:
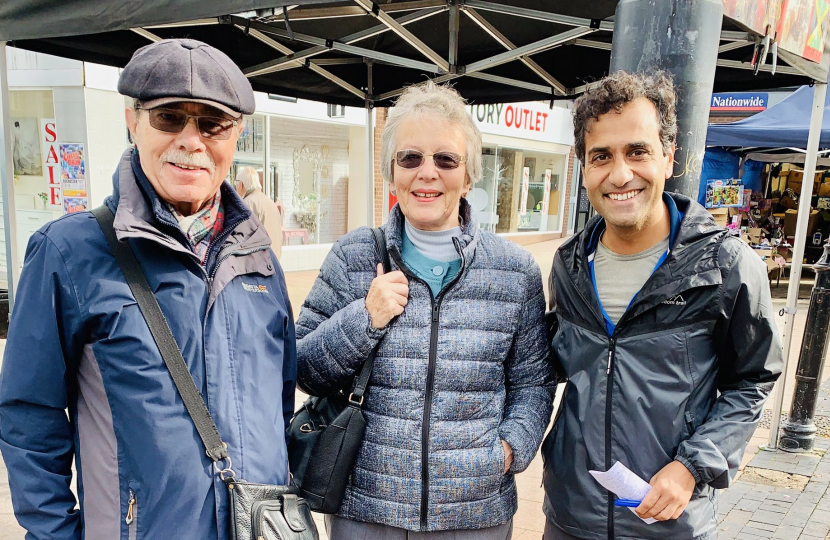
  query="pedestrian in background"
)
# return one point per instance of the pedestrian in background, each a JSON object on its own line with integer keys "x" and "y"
{"x": 460, "y": 393}
{"x": 250, "y": 189}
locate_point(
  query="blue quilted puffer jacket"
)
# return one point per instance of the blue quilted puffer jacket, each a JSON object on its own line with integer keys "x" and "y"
{"x": 454, "y": 375}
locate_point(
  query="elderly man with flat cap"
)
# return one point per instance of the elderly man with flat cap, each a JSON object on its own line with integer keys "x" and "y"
{"x": 82, "y": 376}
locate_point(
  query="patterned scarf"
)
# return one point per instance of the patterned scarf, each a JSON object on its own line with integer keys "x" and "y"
{"x": 203, "y": 226}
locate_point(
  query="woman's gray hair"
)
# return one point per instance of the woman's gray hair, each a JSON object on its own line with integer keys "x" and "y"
{"x": 433, "y": 100}
{"x": 249, "y": 178}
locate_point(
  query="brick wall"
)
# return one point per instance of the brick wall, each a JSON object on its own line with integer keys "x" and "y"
{"x": 288, "y": 136}
{"x": 380, "y": 123}
{"x": 724, "y": 119}
{"x": 567, "y": 193}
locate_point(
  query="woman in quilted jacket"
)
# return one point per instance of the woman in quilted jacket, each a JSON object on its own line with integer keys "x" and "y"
{"x": 461, "y": 390}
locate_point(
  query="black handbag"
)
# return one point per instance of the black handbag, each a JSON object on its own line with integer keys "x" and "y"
{"x": 257, "y": 511}
{"x": 326, "y": 433}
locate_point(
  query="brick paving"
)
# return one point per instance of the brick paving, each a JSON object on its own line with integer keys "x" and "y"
{"x": 750, "y": 510}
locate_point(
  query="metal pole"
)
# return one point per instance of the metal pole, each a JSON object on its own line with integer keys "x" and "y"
{"x": 680, "y": 37}
{"x": 816, "y": 116}
{"x": 799, "y": 430}
{"x": 7, "y": 179}
{"x": 268, "y": 175}
{"x": 370, "y": 169}
{"x": 370, "y": 149}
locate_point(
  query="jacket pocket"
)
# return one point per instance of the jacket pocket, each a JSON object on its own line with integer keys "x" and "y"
{"x": 131, "y": 517}
{"x": 501, "y": 456}
{"x": 689, "y": 417}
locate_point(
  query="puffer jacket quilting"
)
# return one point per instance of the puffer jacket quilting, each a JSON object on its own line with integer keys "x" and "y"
{"x": 492, "y": 379}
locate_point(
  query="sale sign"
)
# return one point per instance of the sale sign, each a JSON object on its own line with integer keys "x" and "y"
{"x": 51, "y": 163}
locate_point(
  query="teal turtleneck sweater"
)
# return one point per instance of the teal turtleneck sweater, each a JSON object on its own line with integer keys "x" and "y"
{"x": 436, "y": 273}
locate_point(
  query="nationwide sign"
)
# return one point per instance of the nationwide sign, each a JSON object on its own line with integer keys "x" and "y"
{"x": 740, "y": 103}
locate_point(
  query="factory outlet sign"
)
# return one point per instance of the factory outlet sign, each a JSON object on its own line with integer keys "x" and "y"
{"x": 529, "y": 120}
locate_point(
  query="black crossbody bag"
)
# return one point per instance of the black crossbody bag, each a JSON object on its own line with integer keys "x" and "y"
{"x": 326, "y": 432}
{"x": 257, "y": 511}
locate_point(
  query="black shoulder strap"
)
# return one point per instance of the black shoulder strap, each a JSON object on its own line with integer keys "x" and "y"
{"x": 169, "y": 349}
{"x": 362, "y": 380}
{"x": 380, "y": 244}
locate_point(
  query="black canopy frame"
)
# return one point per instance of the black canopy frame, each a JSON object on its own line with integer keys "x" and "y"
{"x": 363, "y": 53}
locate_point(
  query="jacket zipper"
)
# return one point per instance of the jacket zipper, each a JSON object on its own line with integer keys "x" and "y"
{"x": 608, "y": 414}
{"x": 132, "y": 514}
{"x": 209, "y": 283}
{"x": 433, "y": 353}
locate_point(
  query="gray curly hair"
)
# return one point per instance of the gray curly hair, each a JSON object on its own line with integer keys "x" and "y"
{"x": 431, "y": 99}
{"x": 618, "y": 89}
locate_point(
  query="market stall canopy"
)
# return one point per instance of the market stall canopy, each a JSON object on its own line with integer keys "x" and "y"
{"x": 352, "y": 52}
{"x": 784, "y": 125}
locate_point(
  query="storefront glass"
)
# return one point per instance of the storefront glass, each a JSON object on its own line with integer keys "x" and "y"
{"x": 34, "y": 159}
{"x": 250, "y": 148}
{"x": 520, "y": 190}
{"x": 310, "y": 179}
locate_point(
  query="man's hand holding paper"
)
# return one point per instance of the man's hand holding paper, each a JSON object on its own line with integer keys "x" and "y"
{"x": 671, "y": 490}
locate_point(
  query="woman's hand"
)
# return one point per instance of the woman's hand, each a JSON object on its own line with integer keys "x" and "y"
{"x": 508, "y": 455}
{"x": 387, "y": 297}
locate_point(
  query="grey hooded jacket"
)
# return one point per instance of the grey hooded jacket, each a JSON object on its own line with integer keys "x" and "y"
{"x": 453, "y": 376}
{"x": 683, "y": 377}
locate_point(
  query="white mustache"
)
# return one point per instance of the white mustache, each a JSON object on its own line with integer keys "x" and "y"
{"x": 192, "y": 159}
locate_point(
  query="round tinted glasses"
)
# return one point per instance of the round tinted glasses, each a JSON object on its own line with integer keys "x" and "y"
{"x": 412, "y": 159}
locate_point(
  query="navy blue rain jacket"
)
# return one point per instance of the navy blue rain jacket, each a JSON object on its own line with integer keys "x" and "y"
{"x": 78, "y": 342}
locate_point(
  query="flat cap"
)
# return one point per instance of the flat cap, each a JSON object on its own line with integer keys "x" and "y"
{"x": 174, "y": 70}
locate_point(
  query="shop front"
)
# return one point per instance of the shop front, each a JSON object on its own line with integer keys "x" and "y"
{"x": 315, "y": 173}
{"x": 67, "y": 136}
{"x": 526, "y": 157}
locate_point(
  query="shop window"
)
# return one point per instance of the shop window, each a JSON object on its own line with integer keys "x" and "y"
{"x": 520, "y": 191}
{"x": 310, "y": 168}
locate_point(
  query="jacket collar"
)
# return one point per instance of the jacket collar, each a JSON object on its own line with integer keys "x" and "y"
{"x": 140, "y": 213}
{"x": 675, "y": 220}
{"x": 467, "y": 242}
{"x": 690, "y": 222}
{"x": 692, "y": 260}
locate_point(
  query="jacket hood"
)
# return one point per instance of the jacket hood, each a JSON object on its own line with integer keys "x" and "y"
{"x": 693, "y": 257}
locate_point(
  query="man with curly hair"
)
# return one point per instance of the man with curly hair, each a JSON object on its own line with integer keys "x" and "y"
{"x": 665, "y": 332}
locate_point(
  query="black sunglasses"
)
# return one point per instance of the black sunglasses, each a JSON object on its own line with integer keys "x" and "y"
{"x": 412, "y": 159}
{"x": 173, "y": 121}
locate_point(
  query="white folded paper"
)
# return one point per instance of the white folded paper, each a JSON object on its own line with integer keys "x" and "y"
{"x": 620, "y": 481}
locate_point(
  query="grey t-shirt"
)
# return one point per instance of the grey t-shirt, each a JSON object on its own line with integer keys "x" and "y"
{"x": 620, "y": 277}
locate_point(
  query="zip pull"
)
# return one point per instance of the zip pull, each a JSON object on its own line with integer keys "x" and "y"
{"x": 130, "y": 506}
{"x": 610, "y": 357}
{"x": 435, "y": 310}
